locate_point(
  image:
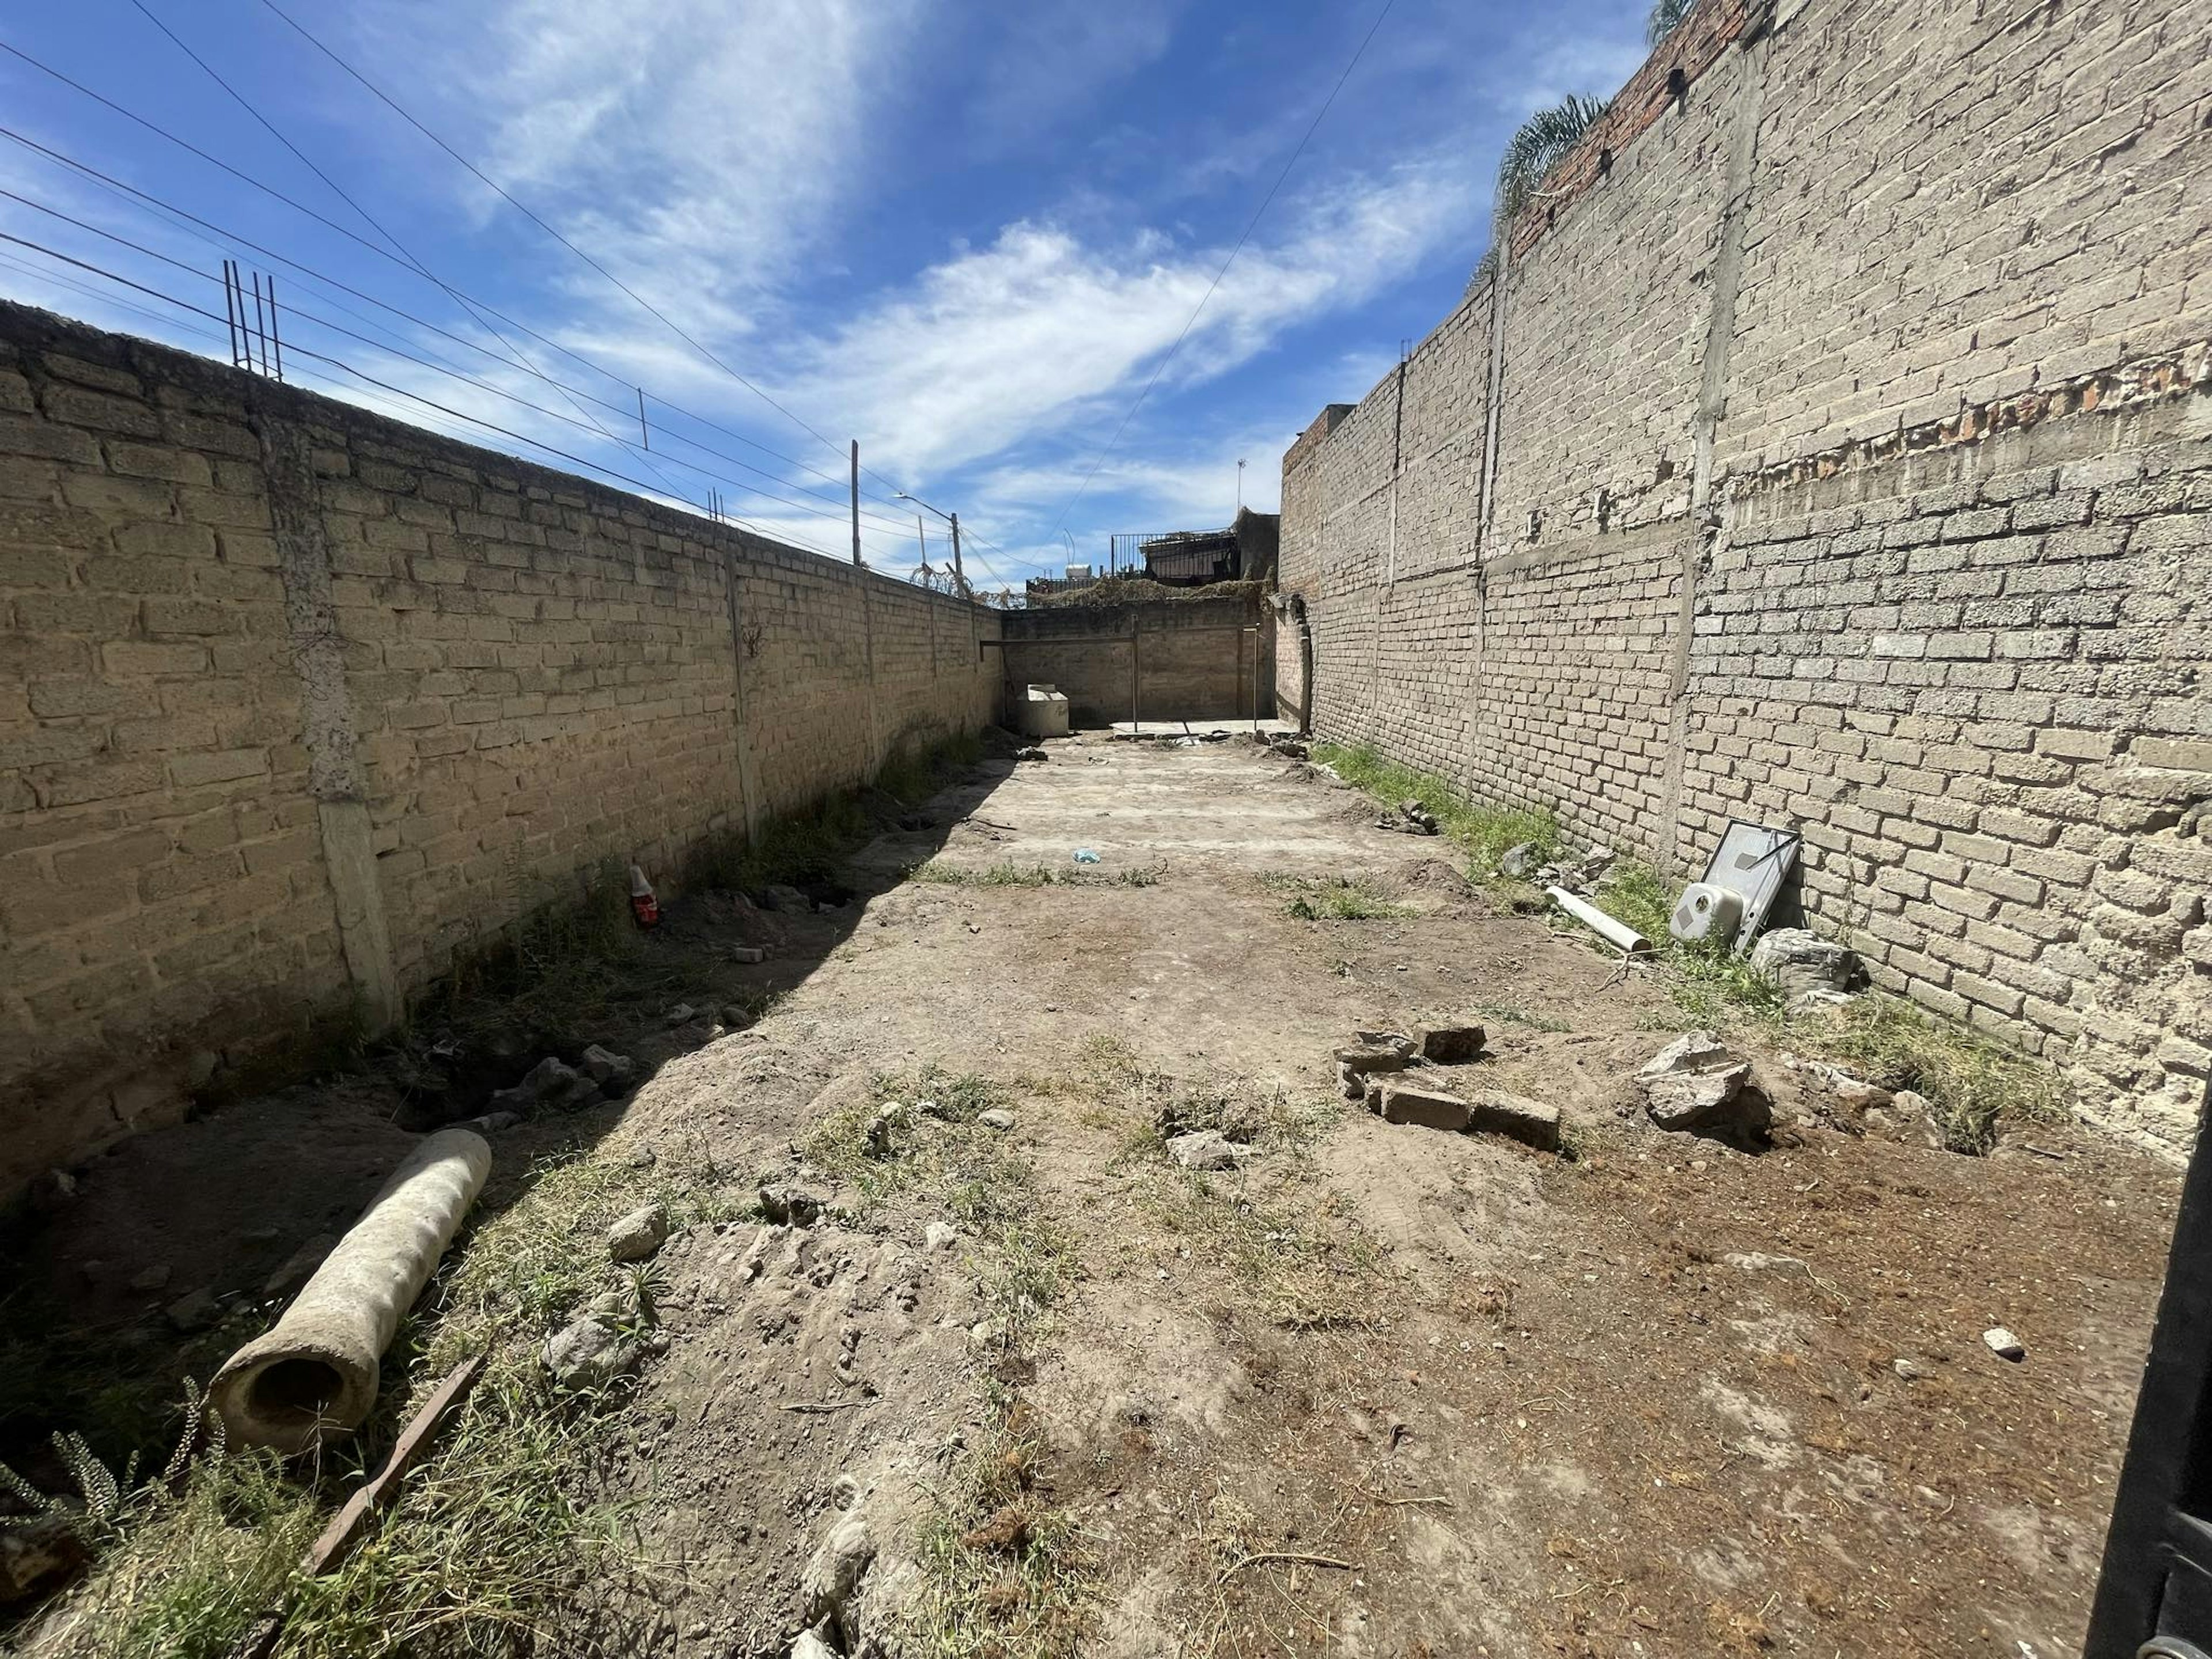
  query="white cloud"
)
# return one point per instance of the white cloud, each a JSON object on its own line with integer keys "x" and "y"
{"x": 999, "y": 345}
{"x": 699, "y": 148}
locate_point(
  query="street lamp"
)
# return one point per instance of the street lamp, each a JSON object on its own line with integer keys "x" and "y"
{"x": 959, "y": 577}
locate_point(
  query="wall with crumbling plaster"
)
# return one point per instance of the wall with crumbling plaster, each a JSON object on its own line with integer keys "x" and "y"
{"x": 1847, "y": 466}
{"x": 297, "y": 703}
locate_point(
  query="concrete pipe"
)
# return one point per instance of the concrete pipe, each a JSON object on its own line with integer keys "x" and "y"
{"x": 315, "y": 1374}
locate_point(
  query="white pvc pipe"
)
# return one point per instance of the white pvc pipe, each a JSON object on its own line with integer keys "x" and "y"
{"x": 315, "y": 1374}
{"x": 1606, "y": 927}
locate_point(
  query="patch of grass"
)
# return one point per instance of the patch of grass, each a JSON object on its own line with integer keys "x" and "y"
{"x": 486, "y": 1545}
{"x": 1517, "y": 1016}
{"x": 1008, "y": 1578}
{"x": 192, "y": 1572}
{"x": 1484, "y": 834}
{"x": 1969, "y": 1083}
{"x": 1336, "y": 898}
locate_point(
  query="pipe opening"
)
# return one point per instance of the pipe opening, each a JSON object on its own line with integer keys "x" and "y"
{"x": 294, "y": 1390}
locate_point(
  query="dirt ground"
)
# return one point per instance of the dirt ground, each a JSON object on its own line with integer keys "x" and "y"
{"x": 1381, "y": 1391}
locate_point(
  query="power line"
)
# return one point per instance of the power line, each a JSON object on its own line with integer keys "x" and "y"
{"x": 666, "y": 320}
{"x": 228, "y": 240}
{"x": 377, "y": 225}
{"x": 461, "y": 297}
{"x": 382, "y": 385}
{"x": 468, "y": 301}
{"x": 1161, "y": 367}
{"x": 304, "y": 314}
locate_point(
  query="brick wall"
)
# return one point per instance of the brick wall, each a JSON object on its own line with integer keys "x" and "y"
{"x": 296, "y": 702}
{"x": 1850, "y": 471}
{"x": 1199, "y": 659}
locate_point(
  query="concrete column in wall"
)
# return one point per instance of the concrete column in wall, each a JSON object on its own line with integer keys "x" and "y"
{"x": 748, "y": 786}
{"x": 303, "y": 552}
{"x": 868, "y": 650}
{"x": 1744, "y": 109}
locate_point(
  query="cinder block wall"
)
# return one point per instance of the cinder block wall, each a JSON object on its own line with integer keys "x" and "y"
{"x": 1198, "y": 659}
{"x": 1848, "y": 467}
{"x": 296, "y": 702}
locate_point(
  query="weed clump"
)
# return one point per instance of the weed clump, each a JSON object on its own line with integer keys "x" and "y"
{"x": 1484, "y": 834}
{"x": 1337, "y": 899}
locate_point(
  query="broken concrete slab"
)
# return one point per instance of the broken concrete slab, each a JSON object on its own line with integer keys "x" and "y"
{"x": 1450, "y": 1045}
{"x": 1693, "y": 1083}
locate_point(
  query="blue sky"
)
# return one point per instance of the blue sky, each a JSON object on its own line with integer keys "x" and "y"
{"x": 965, "y": 234}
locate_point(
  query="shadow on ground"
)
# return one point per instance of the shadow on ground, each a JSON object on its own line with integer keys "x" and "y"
{"x": 172, "y": 1249}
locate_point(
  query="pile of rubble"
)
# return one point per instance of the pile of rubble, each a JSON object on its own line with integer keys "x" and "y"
{"x": 1412, "y": 819}
{"x": 1391, "y": 1071}
{"x": 1576, "y": 875}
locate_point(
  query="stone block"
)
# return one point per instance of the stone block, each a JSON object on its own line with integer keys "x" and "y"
{"x": 1429, "y": 1108}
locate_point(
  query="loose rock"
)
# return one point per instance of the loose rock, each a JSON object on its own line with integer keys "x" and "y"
{"x": 891, "y": 1121}
{"x": 638, "y": 1235}
{"x": 748, "y": 953}
{"x": 810, "y": 1646}
{"x": 492, "y": 1121}
{"x": 997, "y": 1117}
{"x": 1206, "y": 1149}
{"x": 940, "y": 1236}
{"x": 1518, "y": 861}
{"x": 38, "y": 1553}
{"x": 756, "y": 1257}
{"x": 2004, "y": 1344}
{"x": 153, "y": 1278}
{"x": 608, "y": 1068}
{"x": 588, "y": 1354}
{"x": 549, "y": 1083}
{"x": 786, "y": 1202}
{"x": 195, "y": 1311}
{"x": 1694, "y": 1083}
{"x": 834, "y": 1572}
{"x": 1800, "y": 961}
{"x": 781, "y": 896}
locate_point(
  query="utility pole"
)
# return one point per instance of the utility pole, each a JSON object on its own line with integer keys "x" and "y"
{"x": 1240, "y": 486}
{"x": 856, "y": 500}
{"x": 959, "y": 577}
{"x": 921, "y": 534}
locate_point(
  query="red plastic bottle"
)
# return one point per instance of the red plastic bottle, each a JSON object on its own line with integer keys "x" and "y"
{"x": 642, "y": 904}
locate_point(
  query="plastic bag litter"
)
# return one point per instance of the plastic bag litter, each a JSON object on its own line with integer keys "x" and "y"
{"x": 1084, "y": 856}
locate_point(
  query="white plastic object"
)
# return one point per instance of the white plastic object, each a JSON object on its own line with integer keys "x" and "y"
{"x": 1706, "y": 910}
{"x": 1612, "y": 929}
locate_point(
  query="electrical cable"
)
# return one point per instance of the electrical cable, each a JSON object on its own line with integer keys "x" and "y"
{"x": 383, "y": 386}
{"x": 234, "y": 239}
{"x": 1161, "y": 367}
{"x": 666, "y": 320}
{"x": 377, "y": 225}
{"x": 466, "y": 301}
{"x": 302, "y": 313}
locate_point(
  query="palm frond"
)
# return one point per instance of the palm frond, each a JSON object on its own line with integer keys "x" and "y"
{"x": 1536, "y": 148}
{"x": 1665, "y": 15}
